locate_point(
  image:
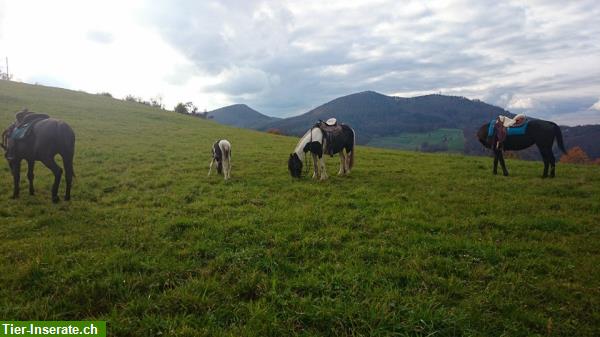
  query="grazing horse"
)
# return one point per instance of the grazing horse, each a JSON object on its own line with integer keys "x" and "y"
{"x": 37, "y": 137}
{"x": 328, "y": 139}
{"x": 221, "y": 153}
{"x": 539, "y": 132}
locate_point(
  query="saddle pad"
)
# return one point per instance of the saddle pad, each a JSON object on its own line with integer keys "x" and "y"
{"x": 20, "y": 132}
{"x": 515, "y": 131}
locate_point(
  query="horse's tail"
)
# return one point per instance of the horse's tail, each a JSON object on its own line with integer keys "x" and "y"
{"x": 68, "y": 148}
{"x": 559, "y": 138}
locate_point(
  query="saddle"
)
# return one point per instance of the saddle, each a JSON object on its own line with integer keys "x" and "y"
{"x": 331, "y": 129}
{"x": 25, "y": 121}
{"x": 504, "y": 126}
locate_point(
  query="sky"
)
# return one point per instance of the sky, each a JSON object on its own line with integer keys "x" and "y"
{"x": 283, "y": 58}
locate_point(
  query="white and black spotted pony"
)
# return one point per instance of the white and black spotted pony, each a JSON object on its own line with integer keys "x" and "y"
{"x": 221, "y": 153}
{"x": 324, "y": 137}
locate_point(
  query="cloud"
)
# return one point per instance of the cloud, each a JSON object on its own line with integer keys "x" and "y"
{"x": 318, "y": 51}
{"x": 100, "y": 37}
{"x": 595, "y": 106}
{"x": 525, "y": 103}
{"x": 286, "y": 57}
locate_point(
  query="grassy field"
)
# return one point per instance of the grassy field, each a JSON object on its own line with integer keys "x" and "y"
{"x": 409, "y": 244}
{"x": 453, "y": 139}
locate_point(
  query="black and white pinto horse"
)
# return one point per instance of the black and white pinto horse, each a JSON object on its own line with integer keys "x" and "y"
{"x": 221, "y": 154}
{"x": 316, "y": 141}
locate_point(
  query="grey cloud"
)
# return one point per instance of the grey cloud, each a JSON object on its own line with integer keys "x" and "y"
{"x": 281, "y": 61}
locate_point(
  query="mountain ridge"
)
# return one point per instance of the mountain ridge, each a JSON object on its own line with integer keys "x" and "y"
{"x": 240, "y": 115}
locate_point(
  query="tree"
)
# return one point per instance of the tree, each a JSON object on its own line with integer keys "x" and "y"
{"x": 575, "y": 156}
{"x": 180, "y": 108}
{"x": 5, "y": 76}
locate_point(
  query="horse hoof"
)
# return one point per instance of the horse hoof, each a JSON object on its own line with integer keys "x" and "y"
{"x": 506, "y": 174}
{"x": 55, "y": 200}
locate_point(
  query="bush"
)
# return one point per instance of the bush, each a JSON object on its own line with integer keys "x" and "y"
{"x": 575, "y": 156}
{"x": 180, "y": 108}
{"x": 275, "y": 131}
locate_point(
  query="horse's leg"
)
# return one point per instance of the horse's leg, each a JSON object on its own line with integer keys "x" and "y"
{"x": 68, "y": 165}
{"x": 496, "y": 162}
{"x": 552, "y": 162}
{"x": 210, "y": 166}
{"x": 323, "y": 169}
{"x": 546, "y": 160}
{"x": 226, "y": 168}
{"x": 501, "y": 159}
{"x": 315, "y": 166}
{"x": 51, "y": 164}
{"x": 16, "y": 171}
{"x": 342, "y": 163}
{"x": 30, "y": 165}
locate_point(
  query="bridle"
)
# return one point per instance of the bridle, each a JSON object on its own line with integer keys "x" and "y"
{"x": 5, "y": 136}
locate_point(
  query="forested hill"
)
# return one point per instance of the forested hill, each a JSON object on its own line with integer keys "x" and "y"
{"x": 240, "y": 115}
{"x": 374, "y": 115}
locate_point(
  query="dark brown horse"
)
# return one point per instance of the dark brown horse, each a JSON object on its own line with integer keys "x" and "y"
{"x": 45, "y": 138}
{"x": 539, "y": 132}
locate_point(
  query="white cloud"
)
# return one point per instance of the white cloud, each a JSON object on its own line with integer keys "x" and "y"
{"x": 522, "y": 103}
{"x": 284, "y": 57}
{"x": 595, "y": 106}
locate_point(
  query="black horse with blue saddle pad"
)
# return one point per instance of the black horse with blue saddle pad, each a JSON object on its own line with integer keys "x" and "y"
{"x": 37, "y": 137}
{"x": 536, "y": 131}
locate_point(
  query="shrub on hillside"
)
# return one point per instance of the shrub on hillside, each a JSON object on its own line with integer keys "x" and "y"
{"x": 575, "y": 156}
{"x": 275, "y": 131}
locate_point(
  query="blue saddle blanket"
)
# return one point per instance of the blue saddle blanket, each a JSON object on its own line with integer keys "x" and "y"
{"x": 22, "y": 131}
{"x": 513, "y": 131}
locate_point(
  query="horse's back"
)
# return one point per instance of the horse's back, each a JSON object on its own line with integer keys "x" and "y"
{"x": 54, "y": 136}
{"x": 539, "y": 132}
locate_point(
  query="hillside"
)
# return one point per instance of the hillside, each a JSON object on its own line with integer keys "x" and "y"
{"x": 409, "y": 244}
{"x": 375, "y": 115}
{"x": 423, "y": 123}
{"x": 240, "y": 115}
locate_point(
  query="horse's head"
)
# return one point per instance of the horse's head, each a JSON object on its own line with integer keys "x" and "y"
{"x": 482, "y": 136}
{"x": 8, "y": 143}
{"x": 295, "y": 165}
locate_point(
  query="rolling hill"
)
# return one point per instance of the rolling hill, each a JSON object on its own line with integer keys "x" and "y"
{"x": 428, "y": 123}
{"x": 240, "y": 115}
{"x": 409, "y": 244}
{"x": 374, "y": 115}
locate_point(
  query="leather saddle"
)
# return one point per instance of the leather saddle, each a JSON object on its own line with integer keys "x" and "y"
{"x": 331, "y": 130}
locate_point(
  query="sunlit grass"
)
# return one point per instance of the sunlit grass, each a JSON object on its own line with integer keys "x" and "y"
{"x": 409, "y": 244}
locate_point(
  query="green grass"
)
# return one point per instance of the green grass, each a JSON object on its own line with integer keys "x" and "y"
{"x": 452, "y": 138}
{"x": 409, "y": 244}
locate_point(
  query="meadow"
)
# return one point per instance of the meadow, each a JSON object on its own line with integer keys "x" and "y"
{"x": 409, "y": 244}
{"x": 451, "y": 139}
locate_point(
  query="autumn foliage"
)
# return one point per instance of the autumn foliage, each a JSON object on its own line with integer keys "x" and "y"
{"x": 275, "y": 131}
{"x": 575, "y": 156}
